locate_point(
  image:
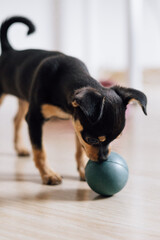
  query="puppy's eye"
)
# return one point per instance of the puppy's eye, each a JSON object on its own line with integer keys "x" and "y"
{"x": 92, "y": 141}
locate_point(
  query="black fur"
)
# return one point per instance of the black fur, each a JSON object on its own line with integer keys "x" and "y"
{"x": 45, "y": 77}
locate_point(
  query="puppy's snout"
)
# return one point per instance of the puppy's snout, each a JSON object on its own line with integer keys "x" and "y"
{"x": 102, "y": 158}
{"x": 103, "y": 153}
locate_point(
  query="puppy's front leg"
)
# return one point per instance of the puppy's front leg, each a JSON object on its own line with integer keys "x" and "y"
{"x": 35, "y": 123}
{"x": 81, "y": 159}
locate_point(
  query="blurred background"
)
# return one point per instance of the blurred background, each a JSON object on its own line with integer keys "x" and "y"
{"x": 108, "y": 35}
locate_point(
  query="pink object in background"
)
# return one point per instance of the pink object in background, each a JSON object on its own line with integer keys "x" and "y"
{"x": 107, "y": 82}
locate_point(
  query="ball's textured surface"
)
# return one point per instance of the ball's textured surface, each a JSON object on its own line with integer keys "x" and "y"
{"x": 108, "y": 177}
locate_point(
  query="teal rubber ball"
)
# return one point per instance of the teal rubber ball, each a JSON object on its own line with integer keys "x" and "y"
{"x": 108, "y": 177}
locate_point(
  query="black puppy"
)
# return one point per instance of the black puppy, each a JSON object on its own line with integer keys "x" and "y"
{"x": 52, "y": 84}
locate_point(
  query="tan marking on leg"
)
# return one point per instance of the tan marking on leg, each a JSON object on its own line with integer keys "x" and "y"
{"x": 18, "y": 143}
{"x": 81, "y": 159}
{"x": 49, "y": 111}
{"x": 91, "y": 151}
{"x": 48, "y": 175}
{"x": 2, "y": 98}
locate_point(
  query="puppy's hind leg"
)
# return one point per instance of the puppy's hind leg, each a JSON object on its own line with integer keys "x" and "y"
{"x": 18, "y": 120}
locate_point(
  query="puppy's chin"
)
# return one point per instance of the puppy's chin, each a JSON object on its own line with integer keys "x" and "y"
{"x": 91, "y": 151}
{"x": 94, "y": 154}
{"x": 92, "y": 157}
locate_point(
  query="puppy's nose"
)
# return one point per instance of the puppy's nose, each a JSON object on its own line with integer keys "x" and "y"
{"x": 102, "y": 159}
{"x": 103, "y": 155}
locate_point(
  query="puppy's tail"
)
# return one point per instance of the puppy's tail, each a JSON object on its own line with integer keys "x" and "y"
{"x": 5, "y": 45}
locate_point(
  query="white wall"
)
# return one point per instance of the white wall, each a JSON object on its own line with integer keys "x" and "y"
{"x": 40, "y": 12}
{"x": 93, "y": 30}
{"x": 151, "y": 34}
{"x": 96, "y": 32}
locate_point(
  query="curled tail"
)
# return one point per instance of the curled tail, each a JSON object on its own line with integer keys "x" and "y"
{"x": 5, "y": 45}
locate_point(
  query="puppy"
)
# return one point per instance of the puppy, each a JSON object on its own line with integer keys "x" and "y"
{"x": 51, "y": 84}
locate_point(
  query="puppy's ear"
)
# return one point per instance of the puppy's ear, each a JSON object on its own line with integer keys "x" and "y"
{"x": 129, "y": 94}
{"x": 90, "y": 101}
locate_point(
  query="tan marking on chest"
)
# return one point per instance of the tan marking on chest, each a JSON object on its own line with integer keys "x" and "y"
{"x": 50, "y": 111}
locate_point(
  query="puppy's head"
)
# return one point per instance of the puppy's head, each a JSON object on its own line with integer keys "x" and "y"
{"x": 99, "y": 117}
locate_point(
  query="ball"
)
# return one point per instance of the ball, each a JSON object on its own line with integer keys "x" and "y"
{"x": 108, "y": 177}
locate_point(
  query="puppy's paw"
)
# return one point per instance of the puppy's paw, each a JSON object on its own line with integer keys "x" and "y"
{"x": 23, "y": 152}
{"x": 51, "y": 179}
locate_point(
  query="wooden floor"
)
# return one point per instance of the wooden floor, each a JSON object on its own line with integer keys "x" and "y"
{"x": 71, "y": 211}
